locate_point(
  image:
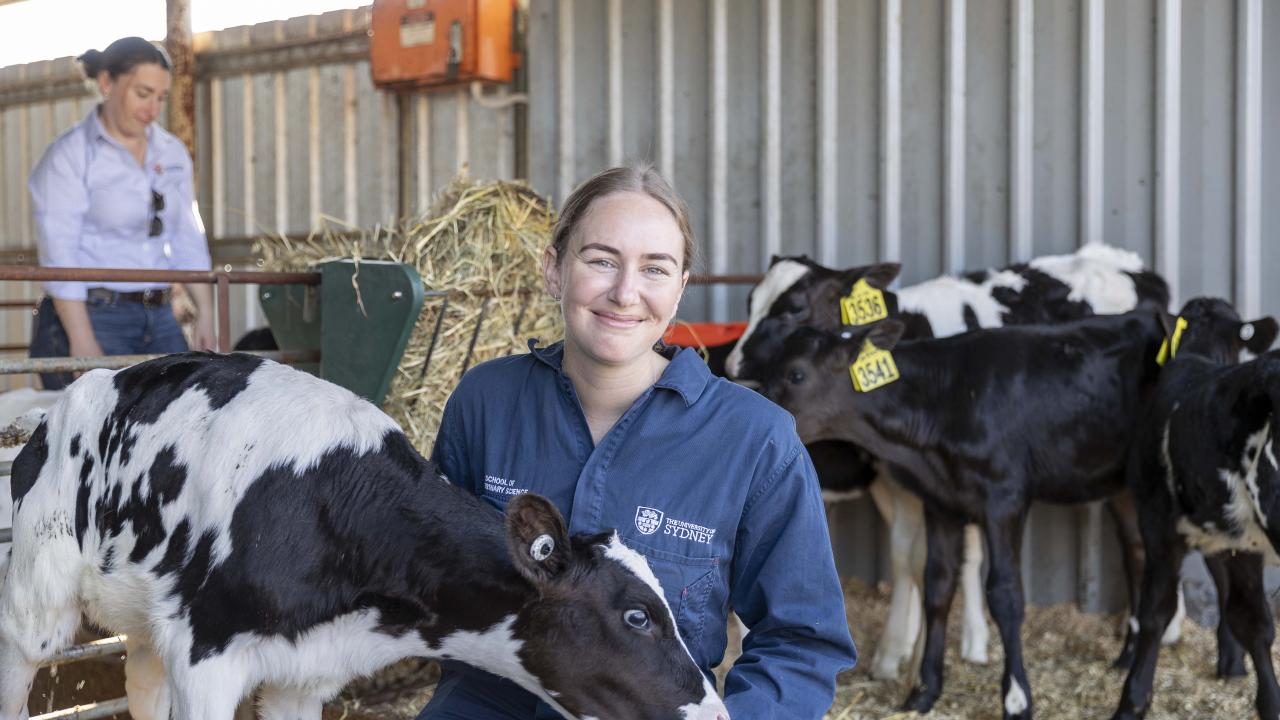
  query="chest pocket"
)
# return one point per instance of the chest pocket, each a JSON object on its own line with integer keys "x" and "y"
{"x": 694, "y": 587}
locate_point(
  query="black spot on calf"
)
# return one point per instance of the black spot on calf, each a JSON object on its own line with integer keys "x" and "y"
{"x": 27, "y": 466}
{"x": 167, "y": 476}
{"x": 176, "y": 551}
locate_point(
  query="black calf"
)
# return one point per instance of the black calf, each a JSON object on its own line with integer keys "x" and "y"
{"x": 1204, "y": 471}
{"x": 980, "y": 425}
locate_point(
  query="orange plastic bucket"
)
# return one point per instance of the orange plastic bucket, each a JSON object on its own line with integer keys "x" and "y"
{"x": 706, "y": 334}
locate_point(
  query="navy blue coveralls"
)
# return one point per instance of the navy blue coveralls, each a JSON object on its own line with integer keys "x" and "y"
{"x": 705, "y": 478}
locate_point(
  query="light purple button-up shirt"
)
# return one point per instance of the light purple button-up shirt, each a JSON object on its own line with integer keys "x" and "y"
{"x": 92, "y": 207}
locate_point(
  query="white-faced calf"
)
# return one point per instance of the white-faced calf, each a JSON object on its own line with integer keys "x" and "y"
{"x": 979, "y": 425}
{"x": 249, "y": 525}
{"x": 1204, "y": 471}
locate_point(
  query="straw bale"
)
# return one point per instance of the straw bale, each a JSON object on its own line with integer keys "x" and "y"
{"x": 483, "y": 243}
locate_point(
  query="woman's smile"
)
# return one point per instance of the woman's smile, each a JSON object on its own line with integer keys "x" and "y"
{"x": 618, "y": 321}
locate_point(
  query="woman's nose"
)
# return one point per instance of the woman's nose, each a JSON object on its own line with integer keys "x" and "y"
{"x": 625, "y": 290}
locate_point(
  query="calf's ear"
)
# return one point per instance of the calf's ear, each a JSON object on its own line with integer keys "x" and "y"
{"x": 881, "y": 275}
{"x": 1258, "y": 335}
{"x": 536, "y": 538}
{"x": 886, "y": 334}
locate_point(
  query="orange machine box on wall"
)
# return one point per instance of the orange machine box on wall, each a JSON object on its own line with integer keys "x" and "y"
{"x": 421, "y": 43}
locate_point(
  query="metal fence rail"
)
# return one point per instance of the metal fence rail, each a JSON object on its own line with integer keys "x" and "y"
{"x": 222, "y": 280}
{"x": 89, "y": 711}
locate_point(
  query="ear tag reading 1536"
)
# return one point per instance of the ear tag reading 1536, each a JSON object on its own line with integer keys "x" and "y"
{"x": 874, "y": 368}
{"x": 864, "y": 304}
{"x": 1168, "y": 349}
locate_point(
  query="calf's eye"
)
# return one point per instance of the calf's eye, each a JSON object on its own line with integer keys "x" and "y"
{"x": 795, "y": 377}
{"x": 636, "y": 618}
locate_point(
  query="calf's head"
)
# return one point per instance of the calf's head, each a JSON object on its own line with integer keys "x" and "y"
{"x": 797, "y": 292}
{"x": 813, "y": 383}
{"x": 1211, "y": 328}
{"x": 598, "y": 637}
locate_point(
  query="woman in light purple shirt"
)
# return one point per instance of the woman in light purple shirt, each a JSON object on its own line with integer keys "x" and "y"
{"x": 115, "y": 191}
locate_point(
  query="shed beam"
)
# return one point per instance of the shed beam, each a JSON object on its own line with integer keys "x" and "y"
{"x": 182, "y": 92}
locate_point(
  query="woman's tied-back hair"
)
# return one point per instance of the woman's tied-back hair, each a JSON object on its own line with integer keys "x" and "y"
{"x": 122, "y": 56}
{"x": 642, "y": 179}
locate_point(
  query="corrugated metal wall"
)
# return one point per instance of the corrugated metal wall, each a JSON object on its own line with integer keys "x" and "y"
{"x": 282, "y": 147}
{"x": 949, "y": 134}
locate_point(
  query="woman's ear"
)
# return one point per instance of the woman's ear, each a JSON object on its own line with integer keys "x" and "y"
{"x": 104, "y": 82}
{"x": 551, "y": 271}
{"x": 684, "y": 283}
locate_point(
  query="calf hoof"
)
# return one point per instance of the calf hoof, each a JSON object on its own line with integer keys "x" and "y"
{"x": 974, "y": 642}
{"x": 920, "y": 700}
{"x": 975, "y": 653}
{"x": 1231, "y": 665}
{"x": 885, "y": 667}
{"x": 1230, "y": 656}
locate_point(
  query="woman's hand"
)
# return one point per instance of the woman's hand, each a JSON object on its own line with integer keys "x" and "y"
{"x": 205, "y": 337}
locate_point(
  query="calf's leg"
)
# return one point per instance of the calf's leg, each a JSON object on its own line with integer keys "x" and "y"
{"x": 145, "y": 681}
{"x": 1134, "y": 556}
{"x": 1005, "y": 598}
{"x": 1249, "y": 616}
{"x": 975, "y": 637}
{"x": 209, "y": 690}
{"x": 279, "y": 703}
{"x": 1157, "y": 603}
{"x": 1230, "y": 651}
{"x": 945, "y": 534}
{"x": 39, "y": 609}
{"x": 902, "y": 512}
{"x": 16, "y": 674}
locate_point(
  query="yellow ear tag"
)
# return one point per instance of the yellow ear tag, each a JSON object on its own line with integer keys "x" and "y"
{"x": 874, "y": 368}
{"x": 1168, "y": 349}
{"x": 864, "y": 304}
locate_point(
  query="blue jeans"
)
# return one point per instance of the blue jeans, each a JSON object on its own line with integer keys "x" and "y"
{"x": 457, "y": 699}
{"x": 121, "y": 327}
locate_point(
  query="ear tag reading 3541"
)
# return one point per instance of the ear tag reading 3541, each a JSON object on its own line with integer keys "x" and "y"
{"x": 864, "y": 304}
{"x": 874, "y": 368}
{"x": 1170, "y": 348}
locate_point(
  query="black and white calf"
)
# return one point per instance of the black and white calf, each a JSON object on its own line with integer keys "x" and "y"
{"x": 249, "y": 525}
{"x": 1204, "y": 472}
{"x": 796, "y": 292}
{"x": 980, "y": 425}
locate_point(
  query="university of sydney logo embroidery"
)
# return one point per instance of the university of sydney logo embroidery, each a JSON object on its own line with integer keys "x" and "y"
{"x": 648, "y": 520}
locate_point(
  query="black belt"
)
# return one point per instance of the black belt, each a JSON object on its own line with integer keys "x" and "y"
{"x": 156, "y": 297}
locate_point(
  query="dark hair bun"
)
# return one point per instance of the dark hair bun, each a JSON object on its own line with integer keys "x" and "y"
{"x": 92, "y": 62}
{"x": 122, "y": 56}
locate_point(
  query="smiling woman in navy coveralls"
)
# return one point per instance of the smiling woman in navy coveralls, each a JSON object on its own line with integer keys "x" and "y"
{"x": 706, "y": 478}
